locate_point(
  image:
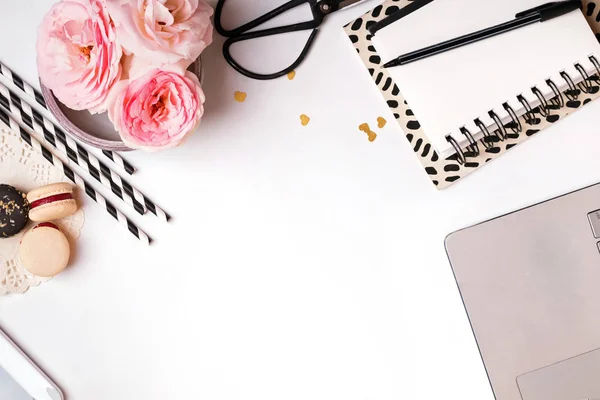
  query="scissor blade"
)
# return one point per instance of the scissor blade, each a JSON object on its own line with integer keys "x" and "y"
{"x": 348, "y": 3}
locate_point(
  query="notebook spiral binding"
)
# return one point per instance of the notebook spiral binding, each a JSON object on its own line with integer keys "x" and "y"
{"x": 501, "y": 133}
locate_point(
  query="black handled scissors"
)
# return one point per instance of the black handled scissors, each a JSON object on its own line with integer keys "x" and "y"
{"x": 320, "y": 9}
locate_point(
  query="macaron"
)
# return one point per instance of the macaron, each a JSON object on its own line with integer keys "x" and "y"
{"x": 14, "y": 211}
{"x": 44, "y": 250}
{"x": 51, "y": 202}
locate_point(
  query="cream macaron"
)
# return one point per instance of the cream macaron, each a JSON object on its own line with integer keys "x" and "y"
{"x": 44, "y": 250}
{"x": 51, "y": 202}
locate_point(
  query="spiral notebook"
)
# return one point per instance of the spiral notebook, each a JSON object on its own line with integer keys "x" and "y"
{"x": 463, "y": 108}
{"x": 462, "y": 103}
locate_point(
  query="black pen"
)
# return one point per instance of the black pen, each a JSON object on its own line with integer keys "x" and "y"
{"x": 541, "y": 13}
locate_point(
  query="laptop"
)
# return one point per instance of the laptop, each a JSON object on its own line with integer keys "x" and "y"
{"x": 530, "y": 284}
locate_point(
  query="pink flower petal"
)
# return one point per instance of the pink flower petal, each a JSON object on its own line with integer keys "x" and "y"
{"x": 152, "y": 113}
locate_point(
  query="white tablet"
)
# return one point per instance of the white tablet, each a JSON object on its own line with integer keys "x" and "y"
{"x": 20, "y": 378}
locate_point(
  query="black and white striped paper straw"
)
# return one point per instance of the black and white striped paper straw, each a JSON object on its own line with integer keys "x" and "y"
{"x": 53, "y": 133}
{"x": 38, "y": 98}
{"x": 24, "y": 114}
{"x": 78, "y": 180}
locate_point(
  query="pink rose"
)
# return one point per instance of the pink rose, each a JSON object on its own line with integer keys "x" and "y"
{"x": 157, "y": 110}
{"x": 78, "y": 54}
{"x": 163, "y": 31}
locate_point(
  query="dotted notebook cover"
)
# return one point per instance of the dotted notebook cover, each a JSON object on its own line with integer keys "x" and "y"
{"x": 444, "y": 172}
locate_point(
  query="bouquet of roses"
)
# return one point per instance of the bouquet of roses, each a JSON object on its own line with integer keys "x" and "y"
{"x": 129, "y": 58}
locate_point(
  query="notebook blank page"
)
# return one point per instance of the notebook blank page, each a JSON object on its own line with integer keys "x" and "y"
{"x": 449, "y": 90}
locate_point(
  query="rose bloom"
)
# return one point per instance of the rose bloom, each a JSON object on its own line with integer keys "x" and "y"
{"x": 157, "y": 110}
{"x": 78, "y": 54}
{"x": 163, "y": 31}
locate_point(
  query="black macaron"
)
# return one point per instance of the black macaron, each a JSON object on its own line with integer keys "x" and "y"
{"x": 14, "y": 211}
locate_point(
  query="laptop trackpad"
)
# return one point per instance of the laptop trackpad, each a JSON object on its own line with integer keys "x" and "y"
{"x": 576, "y": 378}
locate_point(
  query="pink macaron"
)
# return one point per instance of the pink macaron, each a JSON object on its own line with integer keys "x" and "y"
{"x": 51, "y": 202}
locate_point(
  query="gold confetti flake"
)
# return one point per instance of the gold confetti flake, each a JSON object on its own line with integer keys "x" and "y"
{"x": 366, "y": 129}
{"x": 291, "y": 75}
{"x": 381, "y": 122}
{"x": 304, "y": 120}
{"x": 240, "y": 97}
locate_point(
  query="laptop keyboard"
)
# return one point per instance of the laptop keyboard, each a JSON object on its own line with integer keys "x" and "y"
{"x": 594, "y": 218}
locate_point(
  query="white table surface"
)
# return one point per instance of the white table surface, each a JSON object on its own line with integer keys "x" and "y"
{"x": 301, "y": 262}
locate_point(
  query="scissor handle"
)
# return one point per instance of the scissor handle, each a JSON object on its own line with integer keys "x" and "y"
{"x": 271, "y": 32}
{"x": 256, "y": 22}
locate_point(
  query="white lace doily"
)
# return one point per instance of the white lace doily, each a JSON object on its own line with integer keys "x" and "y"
{"x": 22, "y": 167}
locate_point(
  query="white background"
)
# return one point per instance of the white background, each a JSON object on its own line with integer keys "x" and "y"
{"x": 301, "y": 262}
